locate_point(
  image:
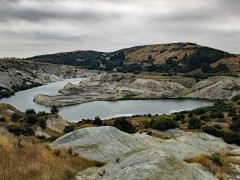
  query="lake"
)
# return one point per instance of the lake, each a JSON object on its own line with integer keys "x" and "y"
{"x": 23, "y": 100}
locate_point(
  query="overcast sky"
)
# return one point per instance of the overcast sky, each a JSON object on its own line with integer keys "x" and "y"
{"x": 32, "y": 27}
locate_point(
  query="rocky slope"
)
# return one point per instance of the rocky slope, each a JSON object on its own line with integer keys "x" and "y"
{"x": 16, "y": 73}
{"x": 114, "y": 86}
{"x": 141, "y": 156}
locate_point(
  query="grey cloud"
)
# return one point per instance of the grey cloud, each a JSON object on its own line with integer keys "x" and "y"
{"x": 107, "y": 25}
{"x": 54, "y": 36}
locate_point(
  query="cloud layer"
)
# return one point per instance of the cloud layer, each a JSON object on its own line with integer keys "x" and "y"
{"x": 31, "y": 27}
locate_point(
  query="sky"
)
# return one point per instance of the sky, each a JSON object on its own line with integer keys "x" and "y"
{"x": 34, "y": 27}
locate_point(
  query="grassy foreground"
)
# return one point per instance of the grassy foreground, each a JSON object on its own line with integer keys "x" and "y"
{"x": 27, "y": 158}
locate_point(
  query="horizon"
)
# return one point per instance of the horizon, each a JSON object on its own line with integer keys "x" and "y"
{"x": 30, "y": 27}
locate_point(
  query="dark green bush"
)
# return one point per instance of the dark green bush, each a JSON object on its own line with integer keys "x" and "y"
{"x": 97, "y": 121}
{"x": 179, "y": 117}
{"x": 30, "y": 111}
{"x": 236, "y": 98}
{"x": 31, "y": 119}
{"x": 213, "y": 131}
{"x": 2, "y": 119}
{"x": 20, "y": 130}
{"x": 42, "y": 122}
{"x": 124, "y": 125}
{"x": 69, "y": 128}
{"x": 54, "y": 110}
{"x": 15, "y": 117}
{"x": 164, "y": 124}
{"x": 232, "y": 138}
{"x": 194, "y": 123}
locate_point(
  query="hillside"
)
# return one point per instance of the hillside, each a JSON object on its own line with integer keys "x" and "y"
{"x": 173, "y": 57}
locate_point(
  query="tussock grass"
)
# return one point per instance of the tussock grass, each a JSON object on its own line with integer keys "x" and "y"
{"x": 218, "y": 163}
{"x": 27, "y": 158}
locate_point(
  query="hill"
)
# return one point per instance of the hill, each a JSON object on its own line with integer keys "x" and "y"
{"x": 173, "y": 57}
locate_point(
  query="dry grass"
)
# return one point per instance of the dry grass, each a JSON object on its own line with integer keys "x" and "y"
{"x": 218, "y": 163}
{"x": 27, "y": 158}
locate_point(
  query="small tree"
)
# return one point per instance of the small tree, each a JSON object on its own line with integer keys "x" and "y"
{"x": 15, "y": 117}
{"x": 194, "y": 123}
{"x": 54, "y": 110}
{"x": 31, "y": 119}
{"x": 69, "y": 128}
{"x": 30, "y": 111}
{"x": 98, "y": 121}
{"x": 124, "y": 125}
{"x": 42, "y": 122}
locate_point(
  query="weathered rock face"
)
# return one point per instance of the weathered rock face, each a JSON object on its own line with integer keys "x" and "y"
{"x": 141, "y": 156}
{"x": 56, "y": 123}
{"x": 148, "y": 164}
{"x": 17, "y": 73}
{"x": 109, "y": 87}
{"x": 101, "y": 144}
{"x": 221, "y": 87}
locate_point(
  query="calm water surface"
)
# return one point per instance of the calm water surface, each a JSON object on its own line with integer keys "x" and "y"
{"x": 104, "y": 109}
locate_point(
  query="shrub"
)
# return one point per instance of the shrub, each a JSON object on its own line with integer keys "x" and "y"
{"x": 235, "y": 126}
{"x": 41, "y": 113}
{"x": 69, "y": 128}
{"x": 194, "y": 123}
{"x": 213, "y": 131}
{"x": 15, "y": 117}
{"x": 190, "y": 114}
{"x": 54, "y": 110}
{"x": 42, "y": 122}
{"x": 30, "y": 111}
{"x": 179, "y": 117}
{"x": 2, "y": 119}
{"x": 216, "y": 159}
{"x": 217, "y": 126}
{"x": 164, "y": 124}
{"x": 149, "y": 115}
{"x": 236, "y": 98}
{"x": 203, "y": 117}
{"x": 199, "y": 111}
{"x": 31, "y": 119}
{"x": 20, "y": 130}
{"x": 97, "y": 121}
{"x": 232, "y": 137}
{"x": 124, "y": 125}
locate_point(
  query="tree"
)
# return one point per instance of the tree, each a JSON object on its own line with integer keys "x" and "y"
{"x": 30, "y": 111}
{"x": 194, "y": 123}
{"x": 31, "y": 119}
{"x": 124, "y": 125}
{"x": 54, "y": 110}
{"x": 42, "y": 122}
{"x": 68, "y": 128}
{"x": 15, "y": 117}
{"x": 98, "y": 121}
{"x": 164, "y": 124}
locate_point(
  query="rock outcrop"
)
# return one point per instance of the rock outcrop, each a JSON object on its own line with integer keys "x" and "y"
{"x": 141, "y": 156}
{"x": 110, "y": 87}
{"x": 16, "y": 73}
{"x": 106, "y": 86}
{"x": 219, "y": 87}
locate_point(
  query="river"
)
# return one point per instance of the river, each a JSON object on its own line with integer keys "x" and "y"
{"x": 23, "y": 100}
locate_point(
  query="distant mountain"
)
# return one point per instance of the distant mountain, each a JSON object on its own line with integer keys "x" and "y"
{"x": 174, "y": 57}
